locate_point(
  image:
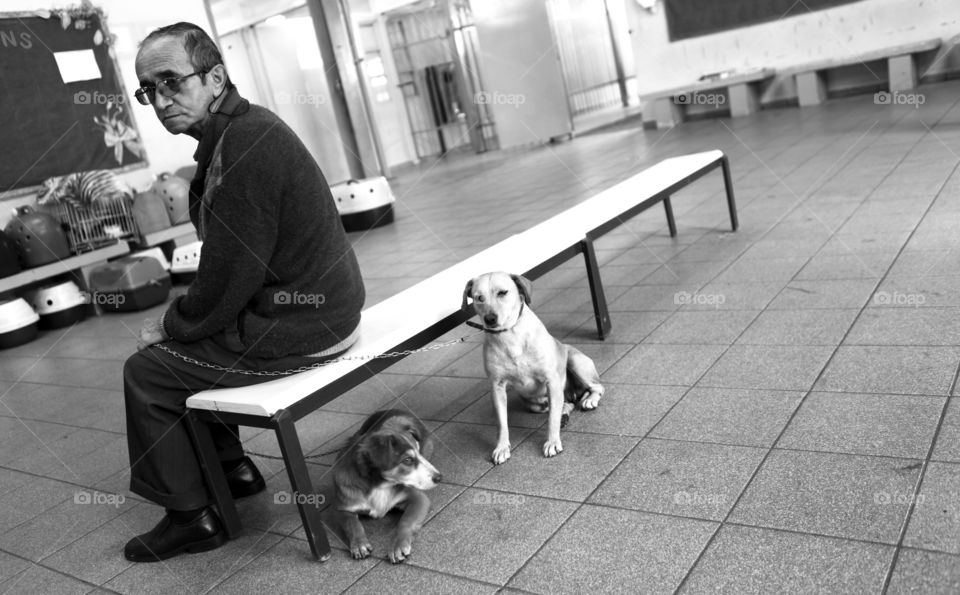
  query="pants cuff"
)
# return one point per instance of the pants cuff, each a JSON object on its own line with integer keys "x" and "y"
{"x": 188, "y": 501}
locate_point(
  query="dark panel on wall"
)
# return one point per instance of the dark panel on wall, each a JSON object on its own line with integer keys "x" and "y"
{"x": 50, "y": 127}
{"x": 692, "y": 18}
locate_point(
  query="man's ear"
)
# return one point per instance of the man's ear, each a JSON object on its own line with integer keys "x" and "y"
{"x": 218, "y": 76}
{"x": 524, "y": 286}
{"x": 466, "y": 294}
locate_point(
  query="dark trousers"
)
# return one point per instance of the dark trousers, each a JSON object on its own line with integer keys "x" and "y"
{"x": 163, "y": 463}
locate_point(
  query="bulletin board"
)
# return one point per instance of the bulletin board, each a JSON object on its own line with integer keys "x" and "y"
{"x": 63, "y": 107}
{"x": 692, "y": 18}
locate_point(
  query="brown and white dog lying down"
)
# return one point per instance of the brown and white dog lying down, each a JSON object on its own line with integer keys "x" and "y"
{"x": 385, "y": 466}
{"x": 519, "y": 353}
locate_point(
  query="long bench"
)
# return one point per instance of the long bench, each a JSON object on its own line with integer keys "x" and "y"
{"x": 741, "y": 91}
{"x": 901, "y": 70}
{"x": 416, "y": 316}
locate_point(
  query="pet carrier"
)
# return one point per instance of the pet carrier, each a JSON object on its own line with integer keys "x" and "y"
{"x": 9, "y": 259}
{"x": 38, "y": 237}
{"x": 175, "y": 192}
{"x": 186, "y": 261}
{"x": 58, "y": 305}
{"x": 129, "y": 284}
{"x": 18, "y": 323}
{"x": 364, "y": 204}
{"x": 150, "y": 212}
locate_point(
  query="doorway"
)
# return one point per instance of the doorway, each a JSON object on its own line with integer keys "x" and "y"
{"x": 597, "y": 72}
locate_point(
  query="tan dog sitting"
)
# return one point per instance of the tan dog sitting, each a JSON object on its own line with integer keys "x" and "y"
{"x": 519, "y": 353}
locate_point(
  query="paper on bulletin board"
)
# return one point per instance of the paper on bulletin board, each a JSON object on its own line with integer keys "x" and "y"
{"x": 77, "y": 65}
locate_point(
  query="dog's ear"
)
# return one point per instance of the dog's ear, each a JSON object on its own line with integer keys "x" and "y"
{"x": 377, "y": 451}
{"x": 525, "y": 287}
{"x": 466, "y": 294}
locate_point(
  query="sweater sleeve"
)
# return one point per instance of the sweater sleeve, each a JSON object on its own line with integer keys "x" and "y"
{"x": 238, "y": 241}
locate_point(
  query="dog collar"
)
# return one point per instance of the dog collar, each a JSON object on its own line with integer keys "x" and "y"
{"x": 497, "y": 332}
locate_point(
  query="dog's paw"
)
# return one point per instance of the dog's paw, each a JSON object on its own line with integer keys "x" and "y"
{"x": 501, "y": 454}
{"x": 402, "y": 546}
{"x": 590, "y": 400}
{"x": 360, "y": 549}
{"x": 552, "y": 448}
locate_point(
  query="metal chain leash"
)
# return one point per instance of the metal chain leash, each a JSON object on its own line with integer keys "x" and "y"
{"x": 219, "y": 368}
{"x": 306, "y": 457}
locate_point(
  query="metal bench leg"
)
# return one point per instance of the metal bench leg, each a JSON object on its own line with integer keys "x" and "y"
{"x": 301, "y": 485}
{"x": 600, "y": 312}
{"x": 728, "y": 185}
{"x": 671, "y": 223}
{"x": 213, "y": 473}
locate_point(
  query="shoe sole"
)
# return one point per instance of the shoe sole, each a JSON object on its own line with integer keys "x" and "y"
{"x": 196, "y": 547}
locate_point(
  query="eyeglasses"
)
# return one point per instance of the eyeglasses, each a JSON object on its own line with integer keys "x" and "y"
{"x": 168, "y": 88}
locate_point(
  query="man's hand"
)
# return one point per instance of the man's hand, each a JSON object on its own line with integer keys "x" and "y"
{"x": 151, "y": 332}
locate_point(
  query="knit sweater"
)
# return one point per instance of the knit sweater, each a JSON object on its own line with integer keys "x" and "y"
{"x": 277, "y": 275}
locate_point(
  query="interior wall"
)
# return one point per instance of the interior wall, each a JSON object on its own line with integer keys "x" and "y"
{"x": 834, "y": 33}
{"x": 131, "y": 22}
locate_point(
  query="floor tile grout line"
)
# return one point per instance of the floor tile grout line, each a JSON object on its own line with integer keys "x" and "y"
{"x": 411, "y": 562}
{"x": 60, "y": 423}
{"x": 282, "y": 538}
{"x": 39, "y": 564}
{"x": 800, "y": 403}
{"x": 905, "y": 526}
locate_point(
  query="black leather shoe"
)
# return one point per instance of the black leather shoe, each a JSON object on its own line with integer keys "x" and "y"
{"x": 245, "y": 479}
{"x": 169, "y": 538}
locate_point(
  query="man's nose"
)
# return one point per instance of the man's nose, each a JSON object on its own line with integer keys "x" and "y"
{"x": 160, "y": 102}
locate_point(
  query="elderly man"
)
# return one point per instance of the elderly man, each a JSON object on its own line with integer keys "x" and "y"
{"x": 270, "y": 230}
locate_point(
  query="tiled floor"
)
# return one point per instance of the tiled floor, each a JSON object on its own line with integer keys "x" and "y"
{"x": 779, "y": 416}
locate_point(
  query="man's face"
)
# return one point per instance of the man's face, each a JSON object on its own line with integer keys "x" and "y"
{"x": 186, "y": 111}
